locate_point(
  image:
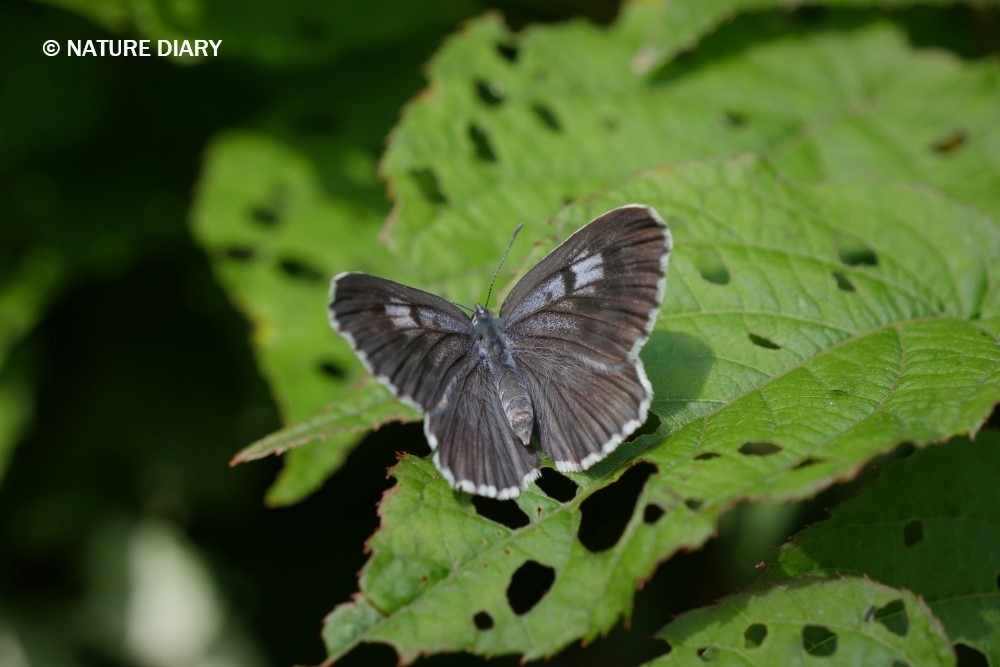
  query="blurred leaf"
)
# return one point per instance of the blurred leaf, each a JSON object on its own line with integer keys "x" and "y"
{"x": 371, "y": 404}
{"x": 800, "y": 622}
{"x": 16, "y": 403}
{"x": 928, "y": 524}
{"x": 805, "y": 329}
{"x": 276, "y": 238}
{"x": 25, "y": 291}
{"x": 285, "y": 34}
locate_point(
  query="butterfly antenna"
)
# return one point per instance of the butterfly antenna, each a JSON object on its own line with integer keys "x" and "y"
{"x": 500, "y": 266}
{"x": 463, "y": 306}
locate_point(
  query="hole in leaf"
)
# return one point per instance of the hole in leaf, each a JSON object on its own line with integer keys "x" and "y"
{"x": 430, "y": 187}
{"x": 806, "y": 462}
{"x": 483, "y": 620}
{"x": 900, "y": 663}
{"x": 710, "y": 266}
{"x": 567, "y": 200}
{"x": 694, "y": 504}
{"x": 489, "y": 94}
{"x": 269, "y": 212}
{"x": 854, "y": 253}
{"x": 265, "y": 215}
{"x": 818, "y": 640}
{"x": 547, "y": 116}
{"x": 371, "y": 654}
{"x": 610, "y": 124}
{"x": 950, "y": 143}
{"x": 504, "y": 512}
{"x": 893, "y": 617}
{"x": 707, "y": 456}
{"x": 528, "y": 585}
{"x": 843, "y": 282}
{"x": 556, "y": 486}
{"x": 754, "y": 635}
{"x": 709, "y": 653}
{"x": 481, "y": 144}
{"x": 332, "y": 370}
{"x": 758, "y": 448}
{"x": 650, "y": 426}
{"x": 605, "y": 514}
{"x": 240, "y": 253}
{"x": 734, "y": 119}
{"x": 300, "y": 270}
{"x": 652, "y": 514}
{"x": 508, "y": 51}
{"x": 970, "y": 657}
{"x": 765, "y": 343}
{"x": 913, "y": 532}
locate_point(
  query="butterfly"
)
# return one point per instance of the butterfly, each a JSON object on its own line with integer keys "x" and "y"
{"x": 559, "y": 363}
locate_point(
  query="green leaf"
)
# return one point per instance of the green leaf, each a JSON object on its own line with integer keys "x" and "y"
{"x": 803, "y": 622}
{"x": 370, "y": 404}
{"x": 804, "y": 330}
{"x": 495, "y": 142}
{"x": 514, "y": 124}
{"x": 276, "y": 237}
{"x": 928, "y": 524}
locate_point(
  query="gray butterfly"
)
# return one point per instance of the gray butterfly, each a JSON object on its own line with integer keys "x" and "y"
{"x": 560, "y": 362}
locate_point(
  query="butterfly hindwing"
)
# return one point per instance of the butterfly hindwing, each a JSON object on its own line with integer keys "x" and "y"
{"x": 477, "y": 449}
{"x": 415, "y": 342}
{"x": 583, "y": 412}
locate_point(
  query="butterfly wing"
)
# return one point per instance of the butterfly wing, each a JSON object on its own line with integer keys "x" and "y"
{"x": 416, "y": 343}
{"x": 477, "y": 450}
{"x": 578, "y": 320}
{"x": 421, "y": 347}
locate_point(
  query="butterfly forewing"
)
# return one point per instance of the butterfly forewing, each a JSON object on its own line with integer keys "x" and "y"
{"x": 596, "y": 295}
{"x": 415, "y": 342}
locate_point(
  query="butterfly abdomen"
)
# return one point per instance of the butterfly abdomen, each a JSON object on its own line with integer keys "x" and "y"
{"x": 496, "y": 350}
{"x": 516, "y": 402}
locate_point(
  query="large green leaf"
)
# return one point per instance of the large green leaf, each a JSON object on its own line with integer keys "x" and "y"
{"x": 514, "y": 124}
{"x": 929, "y": 524}
{"x": 846, "y": 622}
{"x": 495, "y": 141}
{"x": 805, "y": 329}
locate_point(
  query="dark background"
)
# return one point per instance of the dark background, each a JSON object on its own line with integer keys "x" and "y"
{"x": 136, "y": 371}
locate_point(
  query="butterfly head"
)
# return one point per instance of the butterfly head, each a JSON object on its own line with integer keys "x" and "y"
{"x": 485, "y": 323}
{"x": 482, "y": 314}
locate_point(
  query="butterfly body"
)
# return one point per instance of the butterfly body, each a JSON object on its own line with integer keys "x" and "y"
{"x": 558, "y": 364}
{"x": 496, "y": 350}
